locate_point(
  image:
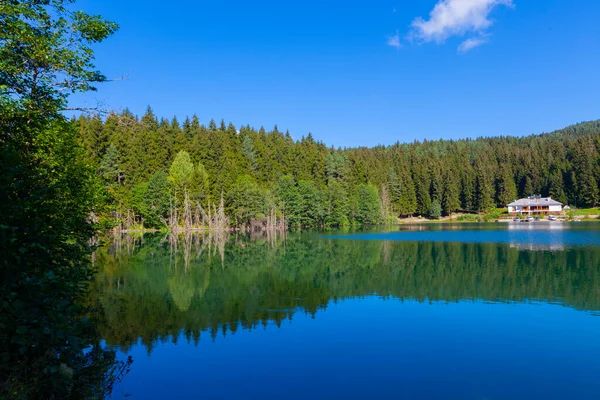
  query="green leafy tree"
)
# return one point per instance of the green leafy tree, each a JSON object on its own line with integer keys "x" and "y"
{"x": 47, "y": 193}
{"x": 45, "y": 54}
{"x": 336, "y": 213}
{"x": 368, "y": 205}
{"x": 138, "y": 201}
{"x": 181, "y": 174}
{"x": 288, "y": 199}
{"x": 336, "y": 167}
{"x": 200, "y": 185}
{"x": 311, "y": 208}
{"x": 246, "y": 201}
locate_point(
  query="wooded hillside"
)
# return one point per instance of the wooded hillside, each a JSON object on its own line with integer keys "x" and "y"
{"x": 149, "y": 166}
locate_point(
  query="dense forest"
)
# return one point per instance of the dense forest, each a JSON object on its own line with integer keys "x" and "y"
{"x": 155, "y": 289}
{"x": 156, "y": 169}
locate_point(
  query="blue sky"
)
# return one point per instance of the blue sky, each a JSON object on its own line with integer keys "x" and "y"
{"x": 357, "y": 73}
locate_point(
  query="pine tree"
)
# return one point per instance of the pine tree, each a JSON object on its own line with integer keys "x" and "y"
{"x": 506, "y": 188}
{"x": 157, "y": 200}
{"x": 407, "y": 201}
{"x": 246, "y": 201}
{"x": 110, "y": 167}
{"x": 586, "y": 185}
{"x": 484, "y": 188}
{"x": 422, "y": 184}
{"x": 194, "y": 125}
{"x": 556, "y": 187}
{"x": 451, "y": 196}
{"x": 469, "y": 189}
{"x": 336, "y": 167}
{"x": 288, "y": 199}
{"x": 336, "y": 213}
{"x": 312, "y": 206}
{"x": 249, "y": 153}
{"x": 527, "y": 187}
{"x": 435, "y": 210}
{"x": 94, "y": 136}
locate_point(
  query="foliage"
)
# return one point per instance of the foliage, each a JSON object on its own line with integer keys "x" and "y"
{"x": 48, "y": 191}
{"x": 45, "y": 54}
{"x": 368, "y": 211}
{"x": 200, "y": 185}
{"x": 157, "y": 200}
{"x": 110, "y": 167}
{"x": 181, "y": 173}
{"x": 288, "y": 195}
{"x": 435, "y": 210}
{"x": 311, "y": 210}
{"x": 465, "y": 176}
{"x": 45, "y": 202}
{"x": 336, "y": 213}
{"x": 495, "y": 214}
{"x": 246, "y": 201}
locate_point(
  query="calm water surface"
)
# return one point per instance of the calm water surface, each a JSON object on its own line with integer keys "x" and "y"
{"x": 493, "y": 311}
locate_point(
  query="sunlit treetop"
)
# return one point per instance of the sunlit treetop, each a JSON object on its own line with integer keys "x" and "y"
{"x": 45, "y": 53}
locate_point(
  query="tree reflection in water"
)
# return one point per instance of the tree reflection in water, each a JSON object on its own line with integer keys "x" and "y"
{"x": 154, "y": 287}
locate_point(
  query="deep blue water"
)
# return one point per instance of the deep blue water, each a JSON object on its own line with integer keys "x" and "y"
{"x": 445, "y": 312}
{"x": 376, "y": 348}
{"x": 534, "y": 234}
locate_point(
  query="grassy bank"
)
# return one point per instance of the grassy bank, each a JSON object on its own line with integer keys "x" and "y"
{"x": 500, "y": 214}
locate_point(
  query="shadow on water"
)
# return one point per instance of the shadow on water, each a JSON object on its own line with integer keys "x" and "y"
{"x": 155, "y": 287}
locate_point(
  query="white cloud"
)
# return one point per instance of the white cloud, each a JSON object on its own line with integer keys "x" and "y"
{"x": 394, "y": 41}
{"x": 471, "y": 44}
{"x": 456, "y": 17}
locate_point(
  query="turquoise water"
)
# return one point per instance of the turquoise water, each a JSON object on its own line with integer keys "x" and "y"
{"x": 423, "y": 312}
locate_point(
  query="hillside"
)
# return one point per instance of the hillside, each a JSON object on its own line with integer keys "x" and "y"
{"x": 260, "y": 173}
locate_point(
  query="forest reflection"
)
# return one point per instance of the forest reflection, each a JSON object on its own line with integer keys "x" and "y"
{"x": 156, "y": 287}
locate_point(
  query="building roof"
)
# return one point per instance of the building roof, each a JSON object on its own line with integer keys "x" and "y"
{"x": 535, "y": 201}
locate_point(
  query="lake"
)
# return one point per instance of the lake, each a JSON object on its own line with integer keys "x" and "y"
{"x": 465, "y": 311}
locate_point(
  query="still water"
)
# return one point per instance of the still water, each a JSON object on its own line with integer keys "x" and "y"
{"x": 499, "y": 311}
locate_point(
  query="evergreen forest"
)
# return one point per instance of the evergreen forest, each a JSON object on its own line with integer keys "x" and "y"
{"x": 157, "y": 171}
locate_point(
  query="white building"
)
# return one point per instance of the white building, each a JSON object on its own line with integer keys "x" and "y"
{"x": 535, "y": 205}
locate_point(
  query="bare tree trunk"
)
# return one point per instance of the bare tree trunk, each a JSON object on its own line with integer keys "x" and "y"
{"x": 187, "y": 213}
{"x": 386, "y": 204}
{"x": 220, "y": 219}
{"x": 173, "y": 217}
